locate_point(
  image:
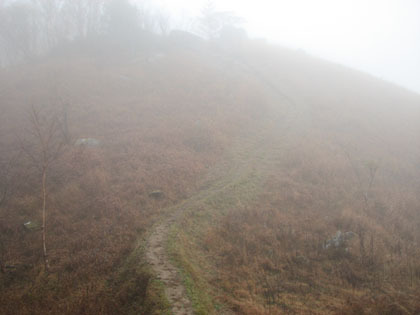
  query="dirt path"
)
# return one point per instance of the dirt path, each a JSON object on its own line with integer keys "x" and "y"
{"x": 158, "y": 258}
{"x": 156, "y": 249}
{"x": 248, "y": 155}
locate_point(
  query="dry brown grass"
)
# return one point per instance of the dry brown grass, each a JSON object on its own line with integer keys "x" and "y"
{"x": 161, "y": 126}
{"x": 268, "y": 256}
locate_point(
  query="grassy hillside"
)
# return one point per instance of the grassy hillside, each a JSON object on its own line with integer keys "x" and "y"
{"x": 346, "y": 160}
{"x": 272, "y": 151}
{"x": 161, "y": 126}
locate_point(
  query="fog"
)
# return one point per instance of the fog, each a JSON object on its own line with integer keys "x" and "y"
{"x": 163, "y": 157}
{"x": 378, "y": 37}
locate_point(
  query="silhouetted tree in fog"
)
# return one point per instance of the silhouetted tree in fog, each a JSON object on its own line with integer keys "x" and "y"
{"x": 44, "y": 145}
{"x": 19, "y": 35}
{"x": 34, "y": 27}
{"x": 120, "y": 19}
{"x": 83, "y": 17}
{"x": 212, "y": 21}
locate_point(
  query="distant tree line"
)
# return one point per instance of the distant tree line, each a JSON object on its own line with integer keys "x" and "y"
{"x": 32, "y": 27}
{"x": 29, "y": 28}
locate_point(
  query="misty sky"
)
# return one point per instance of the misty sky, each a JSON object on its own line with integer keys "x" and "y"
{"x": 381, "y": 37}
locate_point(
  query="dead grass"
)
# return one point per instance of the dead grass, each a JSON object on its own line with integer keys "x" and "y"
{"x": 252, "y": 239}
{"x": 266, "y": 255}
{"x": 157, "y": 132}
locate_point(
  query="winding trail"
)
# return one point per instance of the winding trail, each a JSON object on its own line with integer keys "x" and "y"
{"x": 248, "y": 154}
{"x": 221, "y": 177}
{"x": 158, "y": 258}
{"x": 156, "y": 249}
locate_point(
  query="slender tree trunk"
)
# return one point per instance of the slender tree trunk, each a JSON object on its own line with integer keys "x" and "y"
{"x": 44, "y": 217}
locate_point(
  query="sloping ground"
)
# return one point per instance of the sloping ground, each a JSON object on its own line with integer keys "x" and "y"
{"x": 262, "y": 154}
{"x": 348, "y": 162}
{"x": 240, "y": 161}
{"x": 165, "y": 271}
{"x": 161, "y": 126}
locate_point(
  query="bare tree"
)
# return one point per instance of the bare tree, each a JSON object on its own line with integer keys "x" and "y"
{"x": 18, "y": 32}
{"x": 163, "y": 22}
{"x": 83, "y": 17}
{"x": 34, "y": 27}
{"x": 50, "y": 21}
{"x": 365, "y": 176}
{"x": 121, "y": 19}
{"x": 212, "y": 21}
{"x": 43, "y": 148}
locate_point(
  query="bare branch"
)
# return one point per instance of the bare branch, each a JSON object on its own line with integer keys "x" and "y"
{"x": 45, "y": 147}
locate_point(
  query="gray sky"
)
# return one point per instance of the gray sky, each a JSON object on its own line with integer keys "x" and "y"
{"x": 381, "y": 37}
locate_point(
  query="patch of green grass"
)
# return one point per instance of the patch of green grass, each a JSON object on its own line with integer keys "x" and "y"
{"x": 233, "y": 185}
{"x": 201, "y": 212}
{"x": 137, "y": 288}
{"x": 195, "y": 286}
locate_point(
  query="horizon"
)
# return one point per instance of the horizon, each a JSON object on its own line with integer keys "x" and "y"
{"x": 376, "y": 37}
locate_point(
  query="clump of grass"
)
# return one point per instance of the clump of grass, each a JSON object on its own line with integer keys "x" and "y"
{"x": 100, "y": 196}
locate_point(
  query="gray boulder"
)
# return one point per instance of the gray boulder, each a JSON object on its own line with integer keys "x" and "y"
{"x": 88, "y": 142}
{"x": 339, "y": 240}
{"x": 157, "y": 194}
{"x": 32, "y": 226}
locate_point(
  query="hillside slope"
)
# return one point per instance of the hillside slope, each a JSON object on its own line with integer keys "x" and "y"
{"x": 159, "y": 128}
{"x": 345, "y": 163}
{"x": 264, "y": 154}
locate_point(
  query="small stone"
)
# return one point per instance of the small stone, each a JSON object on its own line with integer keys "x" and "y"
{"x": 88, "y": 142}
{"x": 31, "y": 226}
{"x": 339, "y": 239}
{"x": 157, "y": 194}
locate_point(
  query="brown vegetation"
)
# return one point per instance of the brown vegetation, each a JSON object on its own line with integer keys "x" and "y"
{"x": 342, "y": 156}
{"x": 346, "y": 163}
{"x": 159, "y": 127}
